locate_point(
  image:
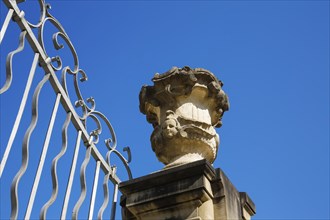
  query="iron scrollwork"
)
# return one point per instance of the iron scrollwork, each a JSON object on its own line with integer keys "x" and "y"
{"x": 88, "y": 105}
{"x": 53, "y": 64}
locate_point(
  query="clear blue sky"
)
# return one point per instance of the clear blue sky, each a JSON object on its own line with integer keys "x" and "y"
{"x": 273, "y": 57}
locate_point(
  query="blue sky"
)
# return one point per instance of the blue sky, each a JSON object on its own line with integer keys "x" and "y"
{"x": 273, "y": 57}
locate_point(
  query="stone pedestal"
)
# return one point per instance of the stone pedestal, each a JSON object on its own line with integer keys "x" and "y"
{"x": 191, "y": 191}
{"x": 184, "y": 106}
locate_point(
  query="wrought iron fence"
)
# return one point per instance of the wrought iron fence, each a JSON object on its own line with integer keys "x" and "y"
{"x": 78, "y": 113}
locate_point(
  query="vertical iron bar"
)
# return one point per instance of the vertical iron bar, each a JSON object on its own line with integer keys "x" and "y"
{"x": 70, "y": 180}
{"x": 96, "y": 179}
{"x": 114, "y": 202}
{"x": 5, "y": 24}
{"x": 53, "y": 197}
{"x": 9, "y": 62}
{"x": 106, "y": 188}
{"x": 83, "y": 185}
{"x": 19, "y": 114}
{"x": 25, "y": 149}
{"x": 42, "y": 157}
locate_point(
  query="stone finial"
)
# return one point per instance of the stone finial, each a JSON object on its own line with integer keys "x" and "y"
{"x": 184, "y": 105}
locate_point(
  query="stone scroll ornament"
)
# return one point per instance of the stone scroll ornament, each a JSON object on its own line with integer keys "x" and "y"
{"x": 184, "y": 106}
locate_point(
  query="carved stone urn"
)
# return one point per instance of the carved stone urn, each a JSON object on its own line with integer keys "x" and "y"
{"x": 184, "y": 106}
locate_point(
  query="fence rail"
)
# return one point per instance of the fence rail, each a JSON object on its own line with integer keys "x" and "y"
{"x": 90, "y": 138}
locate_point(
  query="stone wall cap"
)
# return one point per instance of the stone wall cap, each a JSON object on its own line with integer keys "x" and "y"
{"x": 168, "y": 175}
{"x": 247, "y": 202}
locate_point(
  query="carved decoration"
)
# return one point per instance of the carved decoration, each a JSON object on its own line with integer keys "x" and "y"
{"x": 184, "y": 105}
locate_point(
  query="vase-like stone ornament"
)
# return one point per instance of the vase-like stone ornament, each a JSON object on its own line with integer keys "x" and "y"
{"x": 184, "y": 106}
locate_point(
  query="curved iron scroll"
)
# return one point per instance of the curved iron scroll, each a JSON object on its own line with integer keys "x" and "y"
{"x": 87, "y": 105}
